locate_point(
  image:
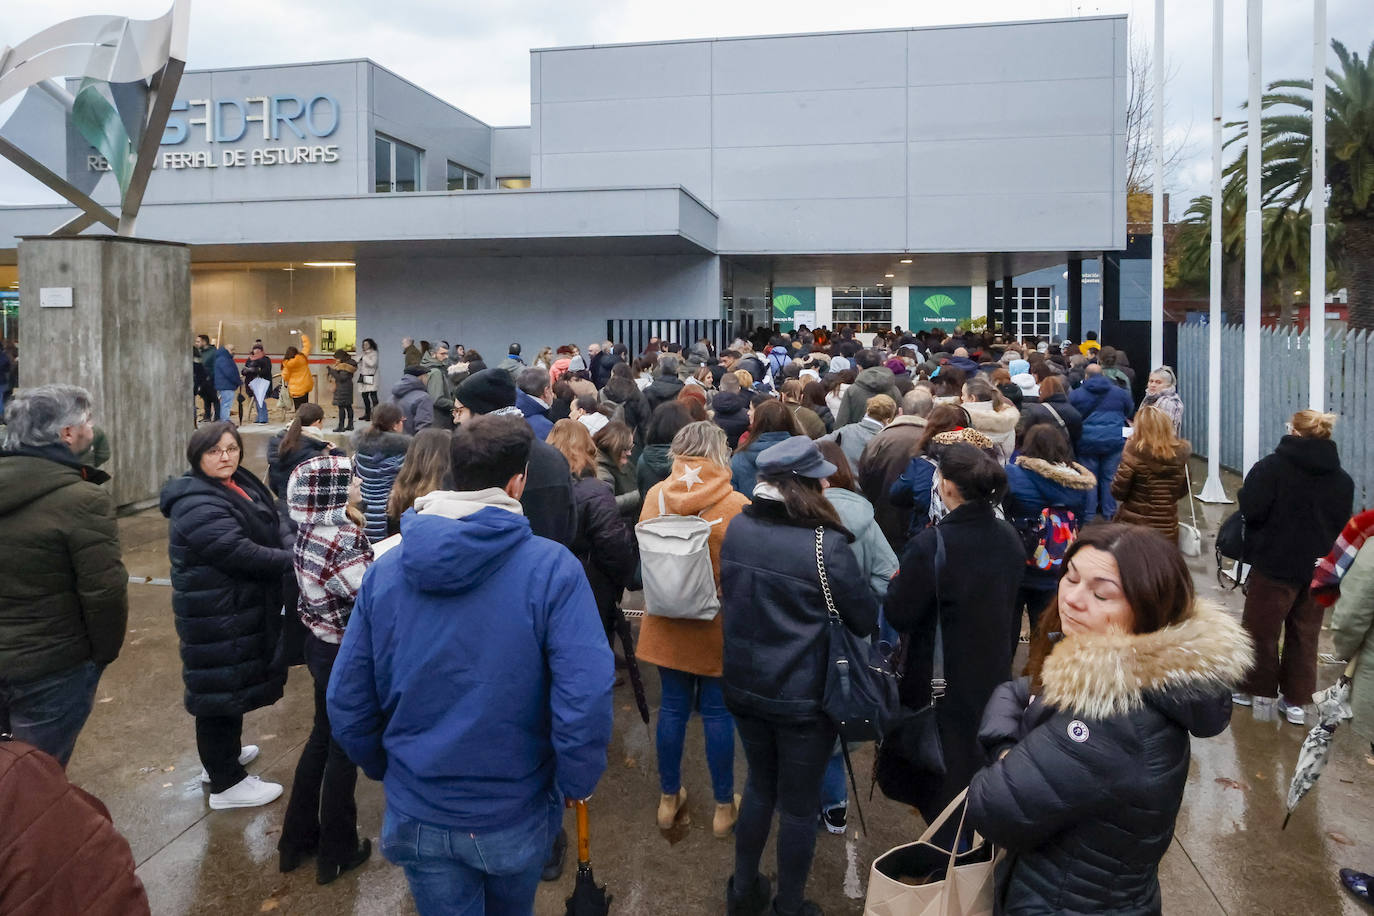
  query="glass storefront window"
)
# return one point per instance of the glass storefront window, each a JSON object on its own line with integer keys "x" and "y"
{"x": 398, "y": 165}
{"x": 462, "y": 178}
{"x": 865, "y": 308}
{"x": 1034, "y": 312}
{"x": 9, "y": 314}
{"x": 506, "y": 183}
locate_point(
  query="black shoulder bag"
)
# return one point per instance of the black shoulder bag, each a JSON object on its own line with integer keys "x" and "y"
{"x": 911, "y": 757}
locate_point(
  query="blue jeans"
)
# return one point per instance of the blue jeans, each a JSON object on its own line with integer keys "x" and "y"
{"x": 226, "y": 402}
{"x": 834, "y": 788}
{"x": 1100, "y": 501}
{"x": 49, "y": 712}
{"x": 681, "y": 693}
{"x": 262, "y": 409}
{"x": 461, "y": 873}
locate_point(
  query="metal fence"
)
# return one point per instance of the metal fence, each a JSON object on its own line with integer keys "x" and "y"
{"x": 635, "y": 333}
{"x": 1282, "y": 392}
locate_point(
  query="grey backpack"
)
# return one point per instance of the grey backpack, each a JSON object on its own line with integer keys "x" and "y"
{"x": 675, "y": 564}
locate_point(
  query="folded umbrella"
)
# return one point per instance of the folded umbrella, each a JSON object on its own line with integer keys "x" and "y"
{"x": 1333, "y": 705}
{"x": 627, "y": 643}
{"x": 587, "y": 898}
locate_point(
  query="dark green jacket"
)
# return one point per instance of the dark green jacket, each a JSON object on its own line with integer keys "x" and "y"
{"x": 64, "y": 592}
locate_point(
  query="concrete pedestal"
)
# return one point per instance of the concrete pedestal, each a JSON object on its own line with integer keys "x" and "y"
{"x": 126, "y": 337}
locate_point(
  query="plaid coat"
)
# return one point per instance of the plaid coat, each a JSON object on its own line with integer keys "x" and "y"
{"x": 331, "y": 552}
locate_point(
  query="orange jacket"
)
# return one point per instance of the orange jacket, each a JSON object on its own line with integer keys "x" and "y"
{"x": 295, "y": 372}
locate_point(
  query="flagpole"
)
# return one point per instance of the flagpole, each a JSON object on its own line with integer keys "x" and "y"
{"x": 1212, "y": 490}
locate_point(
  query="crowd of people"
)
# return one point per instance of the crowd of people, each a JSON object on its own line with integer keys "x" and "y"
{"x": 929, "y": 491}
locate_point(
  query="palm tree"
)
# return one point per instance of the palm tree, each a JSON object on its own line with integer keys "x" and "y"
{"x": 1287, "y": 155}
{"x": 1194, "y": 246}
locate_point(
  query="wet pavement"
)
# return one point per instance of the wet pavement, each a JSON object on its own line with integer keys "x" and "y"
{"x": 138, "y": 755}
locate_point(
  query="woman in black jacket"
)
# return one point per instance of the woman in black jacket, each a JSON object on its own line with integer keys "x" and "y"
{"x": 603, "y": 541}
{"x": 973, "y": 592}
{"x": 1089, "y": 754}
{"x": 303, "y": 439}
{"x": 775, "y": 656}
{"x": 1295, "y": 502}
{"x": 228, "y": 564}
{"x": 1053, "y": 410}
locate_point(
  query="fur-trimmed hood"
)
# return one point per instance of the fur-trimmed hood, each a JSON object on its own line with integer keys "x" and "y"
{"x": 1072, "y": 475}
{"x": 1172, "y": 669}
{"x": 989, "y": 420}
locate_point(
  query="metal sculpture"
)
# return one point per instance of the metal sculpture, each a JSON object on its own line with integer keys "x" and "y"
{"x": 129, "y": 71}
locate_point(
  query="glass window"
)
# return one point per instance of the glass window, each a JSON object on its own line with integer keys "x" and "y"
{"x": 866, "y": 308}
{"x": 462, "y": 178}
{"x": 382, "y": 151}
{"x": 1033, "y": 312}
{"x": 398, "y": 165}
{"x": 513, "y": 182}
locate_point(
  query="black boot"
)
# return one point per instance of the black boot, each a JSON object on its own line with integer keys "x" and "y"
{"x": 326, "y": 872}
{"x": 754, "y": 903}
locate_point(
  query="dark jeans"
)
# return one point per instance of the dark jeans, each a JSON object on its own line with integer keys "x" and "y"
{"x": 299, "y": 399}
{"x": 1273, "y": 607}
{"x": 787, "y": 763}
{"x": 211, "y": 400}
{"x": 345, "y": 416}
{"x": 369, "y": 404}
{"x": 219, "y": 739}
{"x": 49, "y": 712}
{"x": 322, "y": 811}
{"x": 1100, "y": 499}
{"x": 1035, "y": 601}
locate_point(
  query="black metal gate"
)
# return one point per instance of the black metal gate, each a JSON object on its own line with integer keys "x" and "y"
{"x": 635, "y": 333}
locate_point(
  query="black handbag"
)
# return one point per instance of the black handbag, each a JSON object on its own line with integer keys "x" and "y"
{"x": 1230, "y": 546}
{"x": 910, "y": 762}
{"x": 860, "y": 696}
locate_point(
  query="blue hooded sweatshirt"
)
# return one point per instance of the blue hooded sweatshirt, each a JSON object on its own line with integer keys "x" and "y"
{"x": 536, "y": 414}
{"x": 226, "y": 371}
{"x": 474, "y": 678}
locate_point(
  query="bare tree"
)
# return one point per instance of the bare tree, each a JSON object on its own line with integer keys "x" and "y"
{"x": 1140, "y": 112}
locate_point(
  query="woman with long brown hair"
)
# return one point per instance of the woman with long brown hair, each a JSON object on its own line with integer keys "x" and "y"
{"x": 770, "y": 422}
{"x": 615, "y": 444}
{"x": 426, "y": 466}
{"x": 1152, "y": 476}
{"x": 1091, "y": 750}
{"x": 602, "y": 541}
{"x": 303, "y": 439}
{"x": 775, "y": 612}
{"x": 811, "y": 425}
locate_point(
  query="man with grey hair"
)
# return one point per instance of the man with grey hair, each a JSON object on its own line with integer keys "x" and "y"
{"x": 884, "y": 459}
{"x": 64, "y": 598}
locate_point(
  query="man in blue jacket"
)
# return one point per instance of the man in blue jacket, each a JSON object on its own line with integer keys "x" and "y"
{"x": 1106, "y": 410}
{"x": 474, "y": 680}
{"x": 225, "y": 375}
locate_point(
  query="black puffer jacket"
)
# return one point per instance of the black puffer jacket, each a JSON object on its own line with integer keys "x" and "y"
{"x": 1295, "y": 503}
{"x": 1039, "y": 413}
{"x": 774, "y": 614}
{"x": 227, "y": 568}
{"x": 663, "y": 389}
{"x": 1084, "y": 803}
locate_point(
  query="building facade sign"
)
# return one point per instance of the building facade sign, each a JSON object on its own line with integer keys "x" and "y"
{"x": 940, "y": 307}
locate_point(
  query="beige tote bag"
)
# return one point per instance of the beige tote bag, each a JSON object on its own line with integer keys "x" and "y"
{"x": 956, "y": 885}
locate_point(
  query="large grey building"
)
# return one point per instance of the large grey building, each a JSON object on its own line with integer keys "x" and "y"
{"x": 882, "y": 177}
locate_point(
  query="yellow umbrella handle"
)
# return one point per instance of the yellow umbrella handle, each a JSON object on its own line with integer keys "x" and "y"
{"x": 584, "y": 838}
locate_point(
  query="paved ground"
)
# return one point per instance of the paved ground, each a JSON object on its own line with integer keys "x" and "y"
{"x": 138, "y": 755}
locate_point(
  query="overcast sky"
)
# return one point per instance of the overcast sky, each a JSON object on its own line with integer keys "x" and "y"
{"x": 475, "y": 55}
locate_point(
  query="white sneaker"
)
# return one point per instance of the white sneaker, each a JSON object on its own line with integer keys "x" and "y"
{"x": 247, "y": 754}
{"x": 249, "y": 792}
{"x": 1241, "y": 699}
{"x": 1295, "y": 714}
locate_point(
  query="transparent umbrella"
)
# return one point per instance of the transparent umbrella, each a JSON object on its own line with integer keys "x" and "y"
{"x": 1333, "y": 705}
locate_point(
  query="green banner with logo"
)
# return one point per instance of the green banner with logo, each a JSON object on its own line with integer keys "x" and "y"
{"x": 790, "y": 299}
{"x": 940, "y": 306}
